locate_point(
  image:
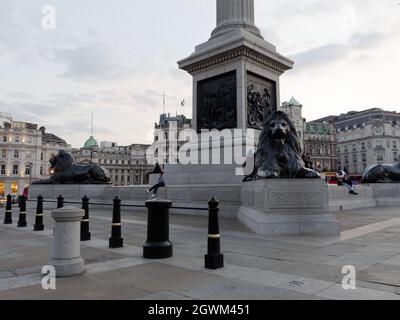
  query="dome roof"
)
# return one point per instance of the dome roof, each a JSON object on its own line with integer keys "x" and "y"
{"x": 91, "y": 143}
{"x": 294, "y": 102}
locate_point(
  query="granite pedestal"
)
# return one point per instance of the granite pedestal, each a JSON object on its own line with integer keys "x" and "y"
{"x": 287, "y": 207}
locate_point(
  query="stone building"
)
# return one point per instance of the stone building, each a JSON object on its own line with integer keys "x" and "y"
{"x": 162, "y": 132}
{"x": 321, "y": 145}
{"x": 295, "y": 111}
{"x": 25, "y": 154}
{"x": 127, "y": 164}
{"x": 366, "y": 138}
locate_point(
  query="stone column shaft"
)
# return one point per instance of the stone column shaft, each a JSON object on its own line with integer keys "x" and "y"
{"x": 235, "y": 14}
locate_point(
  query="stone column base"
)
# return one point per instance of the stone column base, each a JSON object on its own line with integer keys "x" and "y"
{"x": 68, "y": 268}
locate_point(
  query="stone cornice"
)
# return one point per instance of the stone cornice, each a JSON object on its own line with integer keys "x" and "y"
{"x": 242, "y": 51}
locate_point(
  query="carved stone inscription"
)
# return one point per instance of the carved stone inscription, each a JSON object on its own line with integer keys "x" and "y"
{"x": 294, "y": 200}
{"x": 217, "y": 102}
{"x": 261, "y": 100}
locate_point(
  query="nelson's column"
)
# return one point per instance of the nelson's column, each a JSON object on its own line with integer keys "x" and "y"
{"x": 235, "y": 82}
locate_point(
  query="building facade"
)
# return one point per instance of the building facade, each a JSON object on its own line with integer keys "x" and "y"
{"x": 25, "y": 154}
{"x": 366, "y": 138}
{"x": 162, "y": 131}
{"x": 320, "y": 145}
{"x": 294, "y": 109}
{"x": 127, "y": 164}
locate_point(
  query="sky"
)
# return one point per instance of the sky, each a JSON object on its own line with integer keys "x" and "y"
{"x": 116, "y": 58}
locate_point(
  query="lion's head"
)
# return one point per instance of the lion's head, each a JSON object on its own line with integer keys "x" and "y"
{"x": 61, "y": 161}
{"x": 278, "y": 126}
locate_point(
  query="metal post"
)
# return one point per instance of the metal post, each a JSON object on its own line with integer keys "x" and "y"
{"x": 60, "y": 202}
{"x": 116, "y": 241}
{"x": 39, "y": 226}
{"x": 22, "y": 213}
{"x": 85, "y": 234}
{"x": 158, "y": 245}
{"x": 8, "y": 215}
{"x": 214, "y": 259}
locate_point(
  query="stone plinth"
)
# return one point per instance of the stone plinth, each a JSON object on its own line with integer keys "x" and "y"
{"x": 67, "y": 249}
{"x": 287, "y": 207}
{"x": 386, "y": 194}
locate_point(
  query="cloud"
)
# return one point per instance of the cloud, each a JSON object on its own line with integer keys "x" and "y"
{"x": 92, "y": 62}
{"x": 334, "y": 52}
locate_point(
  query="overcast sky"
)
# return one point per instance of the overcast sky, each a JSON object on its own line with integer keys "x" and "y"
{"x": 115, "y": 58}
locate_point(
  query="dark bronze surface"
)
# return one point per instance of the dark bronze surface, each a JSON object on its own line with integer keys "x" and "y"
{"x": 279, "y": 151}
{"x": 217, "y": 102}
{"x": 261, "y": 100}
{"x": 67, "y": 172}
{"x": 382, "y": 173}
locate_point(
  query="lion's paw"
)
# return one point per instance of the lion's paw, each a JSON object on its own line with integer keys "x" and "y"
{"x": 267, "y": 174}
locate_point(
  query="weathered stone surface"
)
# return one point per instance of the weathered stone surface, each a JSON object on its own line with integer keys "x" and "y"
{"x": 67, "y": 250}
{"x": 287, "y": 207}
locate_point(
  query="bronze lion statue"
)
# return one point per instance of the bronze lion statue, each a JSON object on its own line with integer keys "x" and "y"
{"x": 67, "y": 172}
{"x": 279, "y": 151}
{"x": 382, "y": 173}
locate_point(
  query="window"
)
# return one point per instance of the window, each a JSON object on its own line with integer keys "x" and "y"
{"x": 41, "y": 156}
{"x": 4, "y": 138}
{"x": 14, "y": 188}
{"x": 3, "y": 169}
{"x": 16, "y": 154}
{"x": 4, "y": 153}
{"x": 395, "y": 156}
{"x": 363, "y": 146}
{"x": 395, "y": 144}
{"x": 41, "y": 170}
{"x": 354, "y": 148}
{"x": 355, "y": 159}
{"x": 364, "y": 157}
{"x": 28, "y": 155}
{"x": 28, "y": 170}
{"x": 17, "y": 139}
{"x": 15, "y": 169}
{"x": 2, "y": 189}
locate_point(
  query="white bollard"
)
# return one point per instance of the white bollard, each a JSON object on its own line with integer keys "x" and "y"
{"x": 67, "y": 245}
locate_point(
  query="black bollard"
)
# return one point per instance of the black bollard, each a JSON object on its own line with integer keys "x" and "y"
{"x": 116, "y": 241}
{"x": 60, "y": 202}
{"x": 214, "y": 259}
{"x": 158, "y": 245}
{"x": 8, "y": 215}
{"x": 85, "y": 234}
{"x": 39, "y": 226}
{"x": 22, "y": 213}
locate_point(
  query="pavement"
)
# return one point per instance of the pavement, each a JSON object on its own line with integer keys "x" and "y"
{"x": 256, "y": 268}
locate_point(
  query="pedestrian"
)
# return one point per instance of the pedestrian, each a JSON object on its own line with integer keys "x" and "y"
{"x": 159, "y": 184}
{"x": 345, "y": 178}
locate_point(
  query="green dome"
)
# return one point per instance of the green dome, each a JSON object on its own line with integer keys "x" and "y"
{"x": 294, "y": 102}
{"x": 90, "y": 143}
